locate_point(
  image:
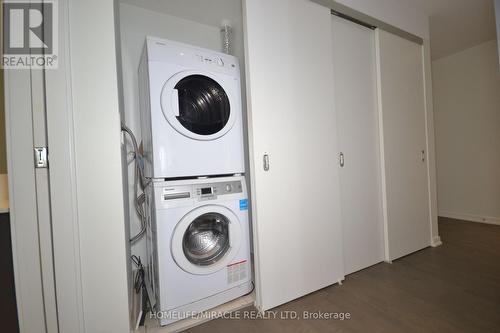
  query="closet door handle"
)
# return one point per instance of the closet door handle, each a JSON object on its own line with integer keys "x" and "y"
{"x": 266, "y": 162}
{"x": 341, "y": 160}
{"x": 423, "y": 155}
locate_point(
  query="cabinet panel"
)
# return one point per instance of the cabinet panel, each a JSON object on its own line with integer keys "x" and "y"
{"x": 402, "y": 110}
{"x": 296, "y": 213}
{"x": 357, "y": 117}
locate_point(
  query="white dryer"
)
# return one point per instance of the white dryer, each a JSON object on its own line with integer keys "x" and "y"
{"x": 199, "y": 244}
{"x": 191, "y": 114}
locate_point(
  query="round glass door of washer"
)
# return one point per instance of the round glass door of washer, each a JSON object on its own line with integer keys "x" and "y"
{"x": 206, "y": 239}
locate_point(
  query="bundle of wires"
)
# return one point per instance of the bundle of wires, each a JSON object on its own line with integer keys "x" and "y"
{"x": 139, "y": 277}
{"x": 140, "y": 183}
{"x": 140, "y": 281}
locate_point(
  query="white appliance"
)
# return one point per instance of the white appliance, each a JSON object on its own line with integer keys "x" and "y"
{"x": 191, "y": 114}
{"x": 199, "y": 245}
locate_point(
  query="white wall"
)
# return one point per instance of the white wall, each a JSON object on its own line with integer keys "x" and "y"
{"x": 467, "y": 115}
{"x": 135, "y": 24}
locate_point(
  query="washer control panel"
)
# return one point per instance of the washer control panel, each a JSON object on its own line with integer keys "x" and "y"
{"x": 210, "y": 191}
{"x": 207, "y": 191}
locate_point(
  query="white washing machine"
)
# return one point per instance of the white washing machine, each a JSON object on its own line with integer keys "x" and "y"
{"x": 191, "y": 114}
{"x": 199, "y": 244}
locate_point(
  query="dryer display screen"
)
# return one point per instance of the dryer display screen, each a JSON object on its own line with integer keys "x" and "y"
{"x": 206, "y": 190}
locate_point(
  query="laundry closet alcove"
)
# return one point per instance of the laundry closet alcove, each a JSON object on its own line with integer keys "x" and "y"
{"x": 324, "y": 137}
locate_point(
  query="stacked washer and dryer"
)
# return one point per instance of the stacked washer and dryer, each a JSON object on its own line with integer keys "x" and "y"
{"x": 198, "y": 234}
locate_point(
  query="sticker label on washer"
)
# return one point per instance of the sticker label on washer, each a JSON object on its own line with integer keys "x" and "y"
{"x": 244, "y": 204}
{"x": 237, "y": 271}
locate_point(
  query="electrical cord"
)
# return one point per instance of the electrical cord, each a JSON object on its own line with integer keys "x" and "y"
{"x": 251, "y": 291}
{"x": 140, "y": 278}
{"x": 139, "y": 181}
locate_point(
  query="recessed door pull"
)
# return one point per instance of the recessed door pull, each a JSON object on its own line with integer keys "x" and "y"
{"x": 423, "y": 155}
{"x": 266, "y": 162}
{"x": 41, "y": 157}
{"x": 341, "y": 160}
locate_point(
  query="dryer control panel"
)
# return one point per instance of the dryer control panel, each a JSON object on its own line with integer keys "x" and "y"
{"x": 190, "y": 56}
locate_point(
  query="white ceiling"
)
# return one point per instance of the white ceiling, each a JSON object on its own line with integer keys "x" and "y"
{"x": 209, "y": 12}
{"x": 456, "y": 25}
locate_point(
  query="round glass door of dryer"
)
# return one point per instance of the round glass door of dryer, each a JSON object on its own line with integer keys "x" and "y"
{"x": 206, "y": 239}
{"x": 204, "y": 107}
{"x": 198, "y": 105}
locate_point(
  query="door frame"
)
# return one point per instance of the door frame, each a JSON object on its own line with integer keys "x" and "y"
{"x": 23, "y": 201}
{"x": 21, "y": 87}
{"x": 77, "y": 232}
{"x": 63, "y": 187}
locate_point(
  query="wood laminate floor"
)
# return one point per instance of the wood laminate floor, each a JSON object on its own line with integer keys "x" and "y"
{"x": 452, "y": 288}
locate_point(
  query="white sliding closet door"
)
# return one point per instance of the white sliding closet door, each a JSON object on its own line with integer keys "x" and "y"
{"x": 296, "y": 211}
{"x": 357, "y": 115}
{"x": 402, "y": 107}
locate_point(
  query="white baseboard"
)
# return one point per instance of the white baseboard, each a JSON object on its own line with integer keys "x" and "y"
{"x": 471, "y": 218}
{"x": 436, "y": 241}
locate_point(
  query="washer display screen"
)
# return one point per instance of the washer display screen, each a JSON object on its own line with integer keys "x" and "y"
{"x": 206, "y": 190}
